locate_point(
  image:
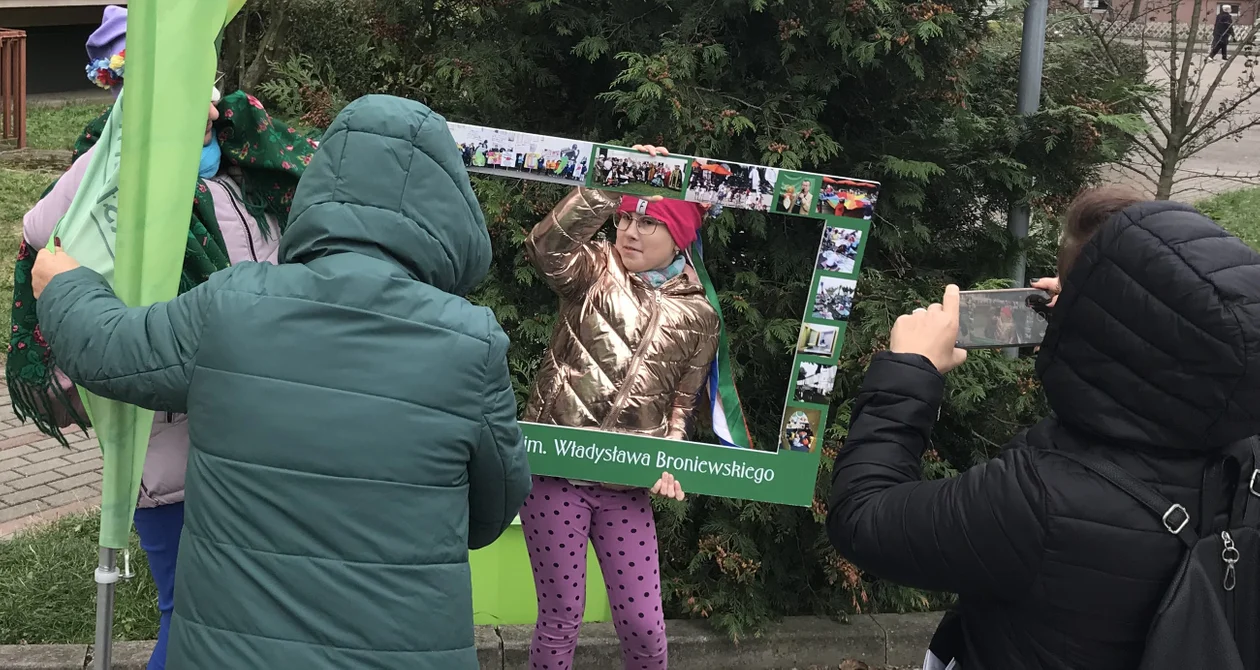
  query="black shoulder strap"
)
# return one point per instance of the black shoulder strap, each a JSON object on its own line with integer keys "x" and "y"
{"x": 1219, "y": 482}
{"x": 1173, "y": 516}
{"x": 1250, "y": 486}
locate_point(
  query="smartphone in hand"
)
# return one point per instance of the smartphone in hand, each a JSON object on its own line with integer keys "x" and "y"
{"x": 1003, "y": 318}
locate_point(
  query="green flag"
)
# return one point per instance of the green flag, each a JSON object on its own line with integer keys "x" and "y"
{"x": 170, "y": 72}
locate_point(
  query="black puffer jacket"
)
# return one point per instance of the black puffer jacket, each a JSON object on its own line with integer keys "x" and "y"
{"x": 1223, "y": 29}
{"x": 1152, "y": 361}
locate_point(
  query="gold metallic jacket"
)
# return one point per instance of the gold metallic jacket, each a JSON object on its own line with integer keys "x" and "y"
{"x": 624, "y": 356}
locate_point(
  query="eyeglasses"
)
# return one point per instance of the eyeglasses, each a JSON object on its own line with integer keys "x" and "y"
{"x": 643, "y": 224}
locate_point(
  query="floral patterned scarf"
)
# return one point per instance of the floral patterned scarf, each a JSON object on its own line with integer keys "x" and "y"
{"x": 657, "y": 278}
{"x": 270, "y": 157}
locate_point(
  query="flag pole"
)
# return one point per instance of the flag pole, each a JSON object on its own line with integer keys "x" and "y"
{"x": 187, "y": 63}
{"x": 106, "y": 577}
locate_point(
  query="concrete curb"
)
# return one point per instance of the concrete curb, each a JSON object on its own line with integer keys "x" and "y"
{"x": 796, "y": 642}
{"x": 48, "y": 160}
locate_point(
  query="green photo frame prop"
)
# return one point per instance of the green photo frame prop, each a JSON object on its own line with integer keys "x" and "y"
{"x": 783, "y": 472}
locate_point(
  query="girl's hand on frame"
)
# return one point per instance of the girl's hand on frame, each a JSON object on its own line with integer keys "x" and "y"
{"x": 668, "y": 487}
{"x": 652, "y": 151}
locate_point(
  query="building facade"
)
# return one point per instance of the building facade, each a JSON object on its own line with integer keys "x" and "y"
{"x": 56, "y": 31}
{"x": 1163, "y": 11}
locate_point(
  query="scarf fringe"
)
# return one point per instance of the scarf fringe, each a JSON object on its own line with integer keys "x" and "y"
{"x": 40, "y": 404}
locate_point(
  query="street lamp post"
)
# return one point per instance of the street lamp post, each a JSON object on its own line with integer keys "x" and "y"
{"x": 1031, "y": 60}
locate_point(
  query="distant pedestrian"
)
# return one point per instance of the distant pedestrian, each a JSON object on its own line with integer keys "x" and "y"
{"x": 1222, "y": 33}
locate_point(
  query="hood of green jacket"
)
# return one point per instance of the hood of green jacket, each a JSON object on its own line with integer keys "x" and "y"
{"x": 388, "y": 182}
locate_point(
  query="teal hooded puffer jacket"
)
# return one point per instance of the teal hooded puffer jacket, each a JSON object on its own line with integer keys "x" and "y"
{"x": 353, "y": 426}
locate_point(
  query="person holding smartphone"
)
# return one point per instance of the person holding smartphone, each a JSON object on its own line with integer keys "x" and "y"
{"x": 1151, "y": 362}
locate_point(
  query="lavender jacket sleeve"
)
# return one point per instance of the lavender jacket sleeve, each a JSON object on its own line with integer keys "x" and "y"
{"x": 38, "y": 224}
{"x": 37, "y": 229}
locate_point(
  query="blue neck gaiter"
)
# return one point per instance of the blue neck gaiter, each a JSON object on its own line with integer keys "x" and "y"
{"x": 211, "y": 154}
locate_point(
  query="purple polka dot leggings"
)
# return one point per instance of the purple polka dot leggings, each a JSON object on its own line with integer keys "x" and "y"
{"x": 557, "y": 518}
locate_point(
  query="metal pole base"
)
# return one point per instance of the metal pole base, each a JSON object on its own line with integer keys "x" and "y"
{"x": 106, "y": 577}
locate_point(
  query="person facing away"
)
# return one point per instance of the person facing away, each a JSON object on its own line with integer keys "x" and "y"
{"x": 353, "y": 423}
{"x": 250, "y": 165}
{"x": 1151, "y": 361}
{"x": 1222, "y": 33}
{"x": 632, "y": 348}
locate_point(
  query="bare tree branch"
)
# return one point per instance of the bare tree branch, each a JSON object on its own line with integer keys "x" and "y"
{"x": 1116, "y": 68}
{"x": 1144, "y": 174}
{"x": 1226, "y": 112}
{"x": 1179, "y": 101}
{"x": 1153, "y": 149}
{"x": 1238, "y": 177}
{"x": 1231, "y": 133}
{"x": 272, "y": 46}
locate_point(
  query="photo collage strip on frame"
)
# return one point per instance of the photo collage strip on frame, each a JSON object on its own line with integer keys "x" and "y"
{"x": 784, "y": 472}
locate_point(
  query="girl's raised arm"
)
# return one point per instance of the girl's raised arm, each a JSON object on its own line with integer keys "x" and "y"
{"x": 560, "y": 245}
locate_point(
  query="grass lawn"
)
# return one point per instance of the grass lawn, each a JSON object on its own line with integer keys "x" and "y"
{"x": 646, "y": 190}
{"x": 1238, "y": 212}
{"x": 58, "y": 126}
{"x": 50, "y": 597}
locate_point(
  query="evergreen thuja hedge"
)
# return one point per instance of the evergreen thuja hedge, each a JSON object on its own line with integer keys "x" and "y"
{"x": 897, "y": 91}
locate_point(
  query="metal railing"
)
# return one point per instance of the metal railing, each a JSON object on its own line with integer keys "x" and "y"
{"x": 13, "y": 85}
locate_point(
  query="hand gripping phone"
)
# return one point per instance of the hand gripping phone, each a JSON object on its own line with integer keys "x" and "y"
{"x": 1003, "y": 318}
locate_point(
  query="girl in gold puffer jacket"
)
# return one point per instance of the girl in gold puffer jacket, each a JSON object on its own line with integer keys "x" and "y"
{"x": 630, "y": 352}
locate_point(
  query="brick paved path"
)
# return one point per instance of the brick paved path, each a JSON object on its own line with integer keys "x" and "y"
{"x": 41, "y": 480}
